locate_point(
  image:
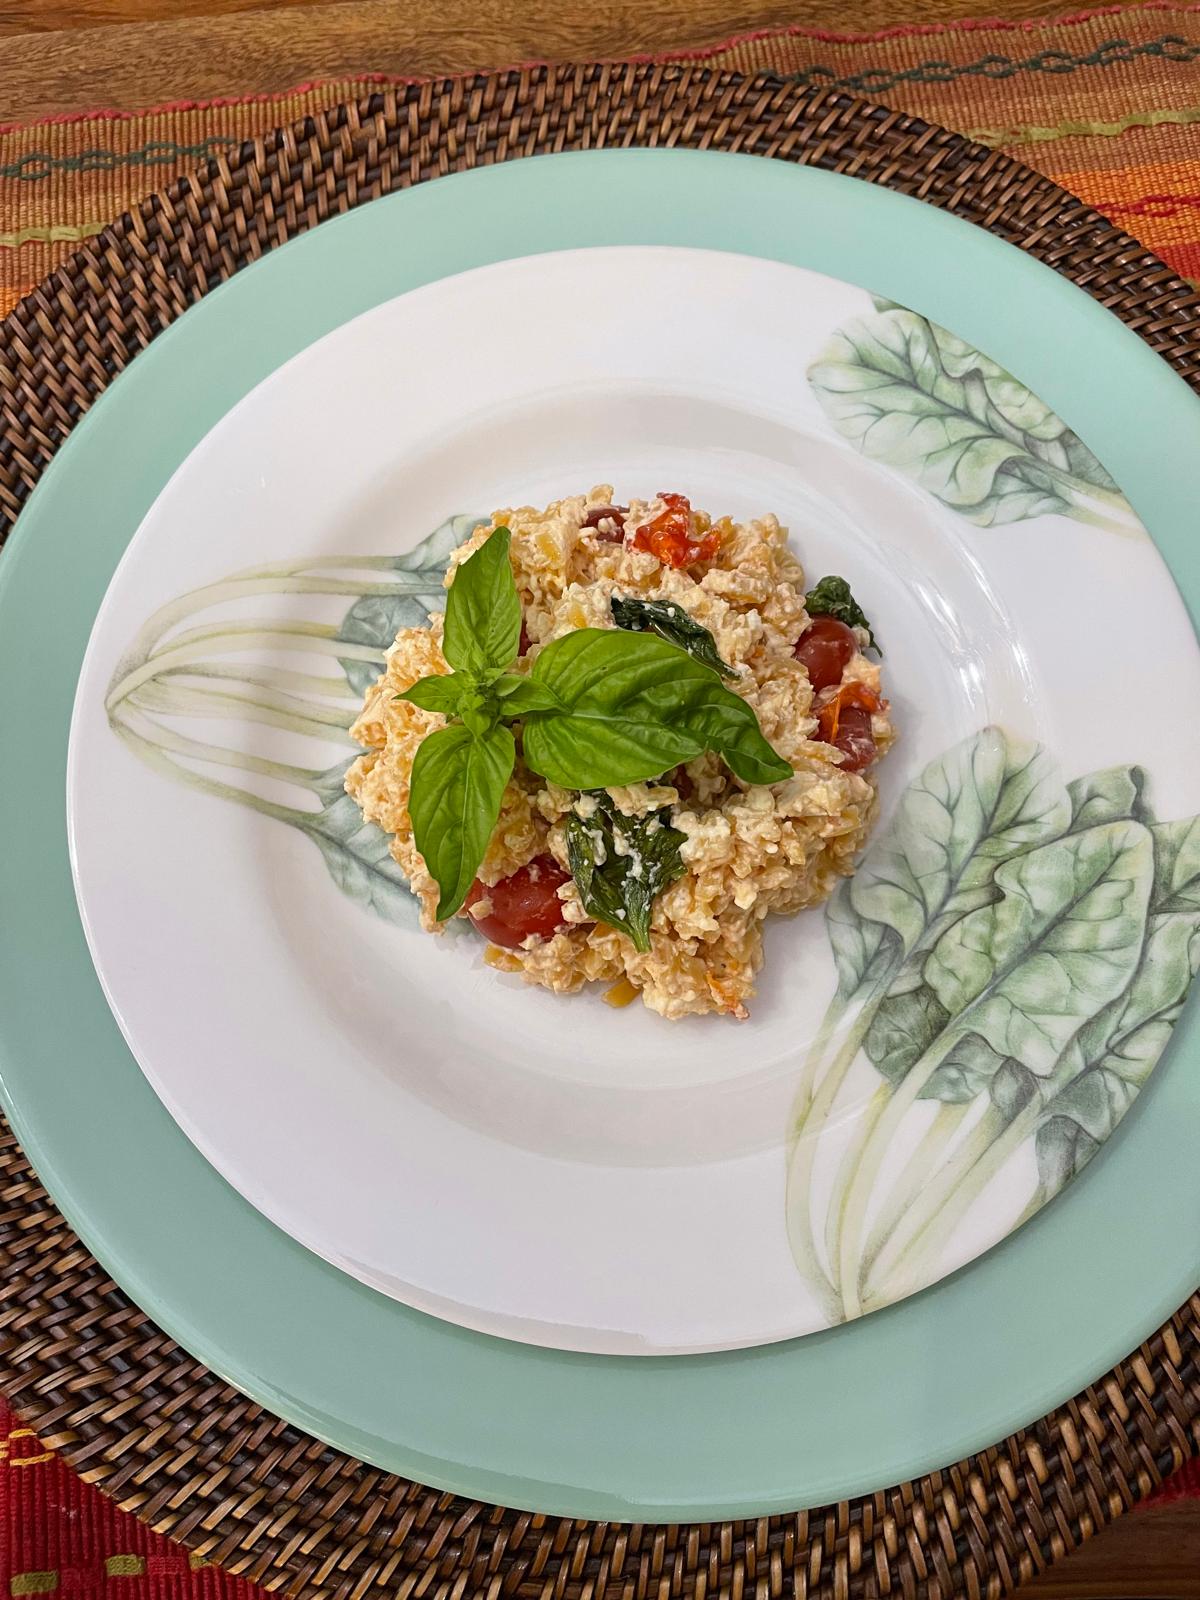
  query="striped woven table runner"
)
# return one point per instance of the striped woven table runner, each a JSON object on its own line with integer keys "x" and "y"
{"x": 1106, "y": 102}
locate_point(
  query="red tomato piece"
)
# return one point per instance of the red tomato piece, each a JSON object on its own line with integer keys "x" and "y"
{"x": 671, "y": 537}
{"x": 855, "y": 739}
{"x": 611, "y": 514}
{"x": 845, "y": 722}
{"x": 825, "y": 649}
{"x": 527, "y": 903}
{"x": 524, "y": 641}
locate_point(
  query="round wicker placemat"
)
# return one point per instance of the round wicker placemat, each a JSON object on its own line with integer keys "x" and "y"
{"x": 123, "y": 1403}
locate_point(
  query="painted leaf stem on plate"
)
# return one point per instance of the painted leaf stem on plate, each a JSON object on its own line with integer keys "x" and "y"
{"x": 1013, "y": 951}
{"x": 238, "y": 655}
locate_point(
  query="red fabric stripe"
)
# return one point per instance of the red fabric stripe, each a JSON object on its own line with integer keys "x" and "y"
{"x": 52, "y": 1522}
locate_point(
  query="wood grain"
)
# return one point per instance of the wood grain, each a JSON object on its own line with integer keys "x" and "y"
{"x": 88, "y": 52}
{"x": 49, "y": 16}
{"x": 1147, "y": 1555}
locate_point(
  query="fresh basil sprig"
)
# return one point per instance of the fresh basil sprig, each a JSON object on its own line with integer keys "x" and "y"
{"x": 620, "y": 864}
{"x": 672, "y": 623}
{"x": 632, "y": 707}
{"x": 600, "y": 707}
{"x": 832, "y": 598}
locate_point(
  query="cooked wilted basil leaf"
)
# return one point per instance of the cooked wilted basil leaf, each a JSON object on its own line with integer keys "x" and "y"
{"x": 672, "y": 623}
{"x": 620, "y": 864}
{"x": 832, "y": 598}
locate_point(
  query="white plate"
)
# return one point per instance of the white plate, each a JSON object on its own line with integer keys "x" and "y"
{"x": 550, "y": 1169}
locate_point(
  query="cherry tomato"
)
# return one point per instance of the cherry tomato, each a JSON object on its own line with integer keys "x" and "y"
{"x": 825, "y": 649}
{"x": 527, "y": 903}
{"x": 845, "y": 722}
{"x": 855, "y": 739}
{"x": 671, "y": 537}
{"x": 612, "y": 514}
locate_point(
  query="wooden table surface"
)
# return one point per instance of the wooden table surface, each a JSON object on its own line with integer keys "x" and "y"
{"x": 61, "y": 55}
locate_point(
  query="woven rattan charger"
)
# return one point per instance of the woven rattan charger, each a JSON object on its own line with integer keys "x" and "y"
{"x": 123, "y": 1403}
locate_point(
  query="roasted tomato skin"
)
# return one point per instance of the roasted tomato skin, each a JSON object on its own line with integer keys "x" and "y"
{"x": 844, "y": 721}
{"x": 525, "y": 903}
{"x": 825, "y": 649}
{"x": 671, "y": 537}
{"x": 855, "y": 739}
{"x": 613, "y": 514}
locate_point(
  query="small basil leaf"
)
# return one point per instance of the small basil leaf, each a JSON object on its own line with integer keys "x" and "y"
{"x": 518, "y": 695}
{"x": 672, "y": 623}
{"x": 620, "y": 864}
{"x": 458, "y": 781}
{"x": 635, "y": 707}
{"x": 832, "y": 598}
{"x": 442, "y": 693}
{"x": 483, "y": 609}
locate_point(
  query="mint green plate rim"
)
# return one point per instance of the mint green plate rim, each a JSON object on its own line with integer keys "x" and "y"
{"x": 816, "y": 1420}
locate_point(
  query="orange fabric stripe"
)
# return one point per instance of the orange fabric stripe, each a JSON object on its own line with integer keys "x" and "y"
{"x": 1106, "y": 101}
{"x": 1159, "y": 204}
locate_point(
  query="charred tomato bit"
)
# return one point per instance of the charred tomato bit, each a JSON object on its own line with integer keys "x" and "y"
{"x": 671, "y": 537}
{"x": 825, "y": 649}
{"x": 613, "y": 514}
{"x": 844, "y": 721}
{"x": 525, "y": 903}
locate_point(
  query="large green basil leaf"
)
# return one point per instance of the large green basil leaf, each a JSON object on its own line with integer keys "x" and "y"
{"x": 637, "y": 706}
{"x": 970, "y": 809}
{"x": 1063, "y": 940}
{"x": 458, "y": 782}
{"x": 912, "y": 395}
{"x": 483, "y": 609}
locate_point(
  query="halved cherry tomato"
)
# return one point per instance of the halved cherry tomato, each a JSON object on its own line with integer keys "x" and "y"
{"x": 526, "y": 903}
{"x": 844, "y": 721}
{"x": 671, "y": 537}
{"x": 855, "y": 739}
{"x": 825, "y": 649}
{"x": 611, "y": 514}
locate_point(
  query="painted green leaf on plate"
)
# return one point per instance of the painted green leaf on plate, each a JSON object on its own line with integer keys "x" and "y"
{"x": 911, "y": 395}
{"x": 377, "y": 619}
